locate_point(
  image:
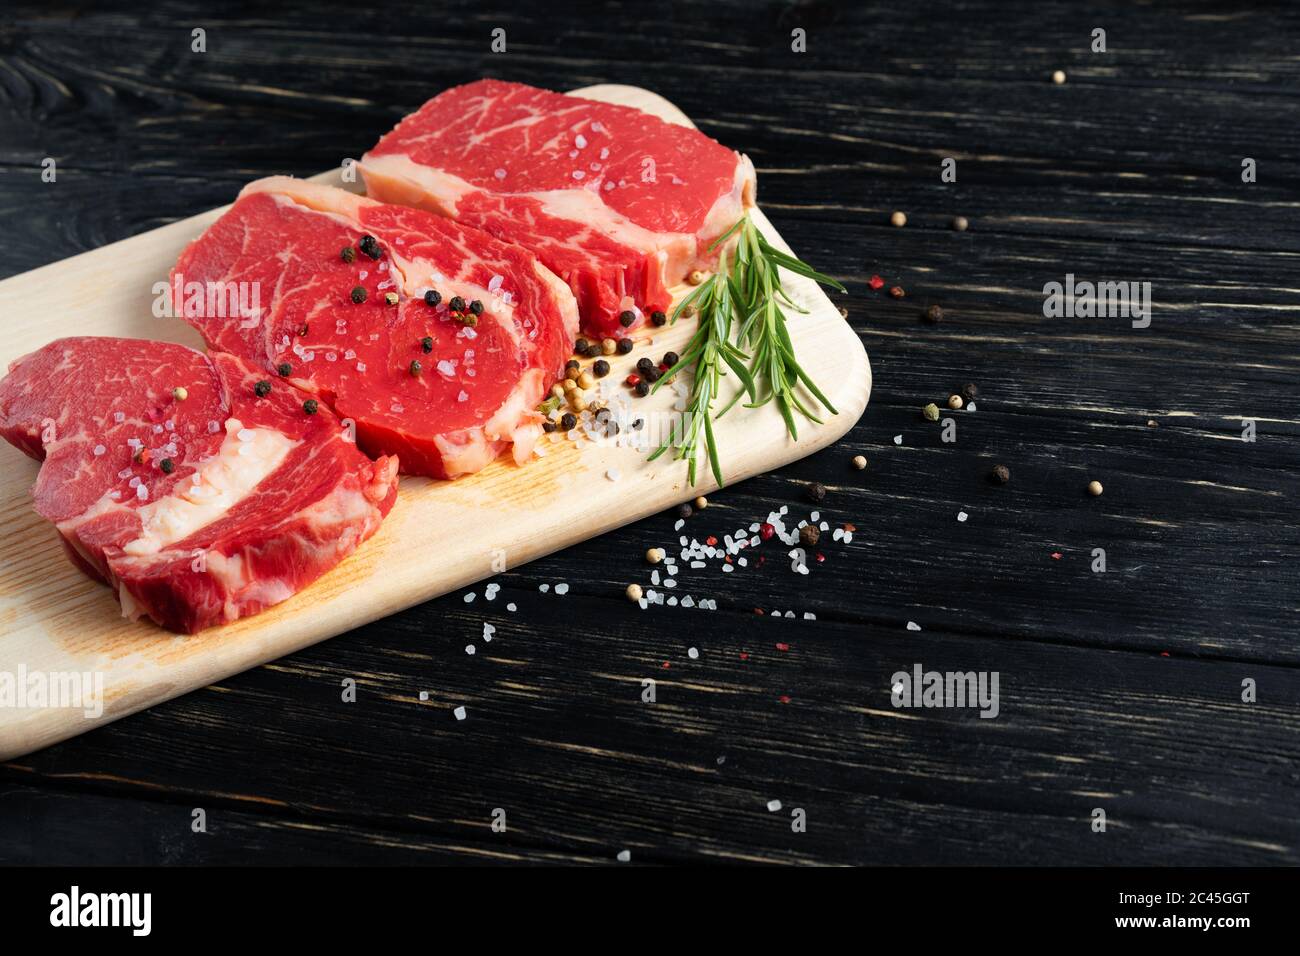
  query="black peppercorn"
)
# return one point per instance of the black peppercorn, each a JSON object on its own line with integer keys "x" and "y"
{"x": 548, "y": 426}
{"x": 809, "y": 535}
{"x": 644, "y": 365}
{"x": 636, "y": 425}
{"x": 370, "y": 247}
{"x": 432, "y": 298}
{"x": 623, "y": 347}
{"x": 670, "y": 359}
{"x": 167, "y": 465}
{"x": 816, "y": 492}
{"x": 310, "y": 406}
{"x": 658, "y": 318}
{"x": 1001, "y": 474}
{"x": 641, "y": 389}
{"x": 600, "y": 369}
{"x": 262, "y": 388}
{"x": 933, "y": 315}
{"x": 685, "y": 511}
{"x": 476, "y": 307}
{"x": 426, "y": 344}
{"x": 284, "y": 369}
{"x": 626, "y": 318}
{"x": 359, "y": 294}
{"x": 568, "y": 421}
{"x": 969, "y": 391}
{"x": 652, "y": 375}
{"x": 457, "y": 304}
{"x": 581, "y": 347}
{"x": 571, "y": 363}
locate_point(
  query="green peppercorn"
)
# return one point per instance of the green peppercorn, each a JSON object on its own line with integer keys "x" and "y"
{"x": 658, "y": 318}
{"x": 167, "y": 466}
{"x": 370, "y": 246}
{"x": 624, "y": 346}
{"x": 348, "y": 254}
{"x": 600, "y": 369}
{"x": 469, "y": 320}
{"x": 359, "y": 294}
{"x": 415, "y": 368}
{"x": 476, "y": 307}
{"x": 311, "y": 406}
{"x": 390, "y": 298}
{"x": 262, "y": 389}
{"x": 457, "y": 304}
{"x": 432, "y": 298}
{"x": 284, "y": 369}
{"x": 626, "y": 318}
{"x": 426, "y": 344}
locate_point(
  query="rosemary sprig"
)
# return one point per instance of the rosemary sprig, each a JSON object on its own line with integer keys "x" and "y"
{"x": 747, "y": 299}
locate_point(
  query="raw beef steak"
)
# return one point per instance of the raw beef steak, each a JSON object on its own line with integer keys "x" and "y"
{"x": 619, "y": 203}
{"x": 197, "y": 506}
{"x": 372, "y": 331}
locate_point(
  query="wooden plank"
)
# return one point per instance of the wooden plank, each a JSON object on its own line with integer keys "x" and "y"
{"x": 56, "y": 621}
{"x": 559, "y": 735}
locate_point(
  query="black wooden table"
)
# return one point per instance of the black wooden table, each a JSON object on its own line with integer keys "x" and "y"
{"x": 1120, "y": 691}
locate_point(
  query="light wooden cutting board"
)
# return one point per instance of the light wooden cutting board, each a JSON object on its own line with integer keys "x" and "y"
{"x": 439, "y": 537}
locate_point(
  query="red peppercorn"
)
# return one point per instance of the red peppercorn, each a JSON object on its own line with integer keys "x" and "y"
{"x": 633, "y": 379}
{"x": 766, "y": 531}
{"x": 876, "y": 282}
{"x": 710, "y": 541}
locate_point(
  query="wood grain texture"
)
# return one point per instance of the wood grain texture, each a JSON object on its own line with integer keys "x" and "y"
{"x": 1131, "y": 170}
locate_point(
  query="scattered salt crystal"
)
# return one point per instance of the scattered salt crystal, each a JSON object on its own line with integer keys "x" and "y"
{"x": 809, "y": 616}
{"x": 913, "y": 626}
{"x": 361, "y": 366}
{"x": 460, "y": 713}
{"x": 678, "y": 525}
{"x": 470, "y": 649}
{"x": 462, "y": 396}
{"x": 773, "y": 806}
{"x": 578, "y": 174}
{"x": 512, "y": 607}
{"x": 613, "y": 474}
{"x": 141, "y": 492}
{"x": 608, "y": 186}
{"x": 119, "y": 417}
{"x": 693, "y": 653}
{"x": 424, "y": 695}
{"x": 624, "y": 856}
{"x": 124, "y": 473}
{"x": 490, "y": 591}
{"x": 561, "y": 589}
{"x": 580, "y": 141}
{"x": 962, "y": 516}
{"x": 99, "y": 450}
{"x": 672, "y": 602}
{"x": 134, "y": 482}
{"x": 898, "y": 439}
{"x": 488, "y": 631}
{"x": 543, "y": 588}
{"x": 469, "y": 598}
{"x": 157, "y": 429}
{"x": 970, "y": 406}
{"x": 499, "y": 174}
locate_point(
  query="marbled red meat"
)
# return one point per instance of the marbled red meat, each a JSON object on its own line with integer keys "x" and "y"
{"x": 197, "y": 507}
{"x": 619, "y": 203}
{"x": 476, "y": 389}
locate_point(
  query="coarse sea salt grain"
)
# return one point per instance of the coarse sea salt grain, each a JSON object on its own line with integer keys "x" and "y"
{"x": 561, "y": 589}
{"x": 898, "y": 439}
{"x": 512, "y": 607}
{"x": 490, "y": 591}
{"x": 913, "y": 626}
{"x": 424, "y": 695}
{"x": 693, "y": 653}
{"x": 543, "y": 588}
{"x": 773, "y": 806}
{"x": 488, "y": 631}
{"x": 460, "y": 712}
{"x": 962, "y": 516}
{"x": 470, "y": 649}
{"x": 99, "y": 450}
{"x": 119, "y": 417}
{"x": 624, "y": 856}
{"x": 469, "y": 598}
